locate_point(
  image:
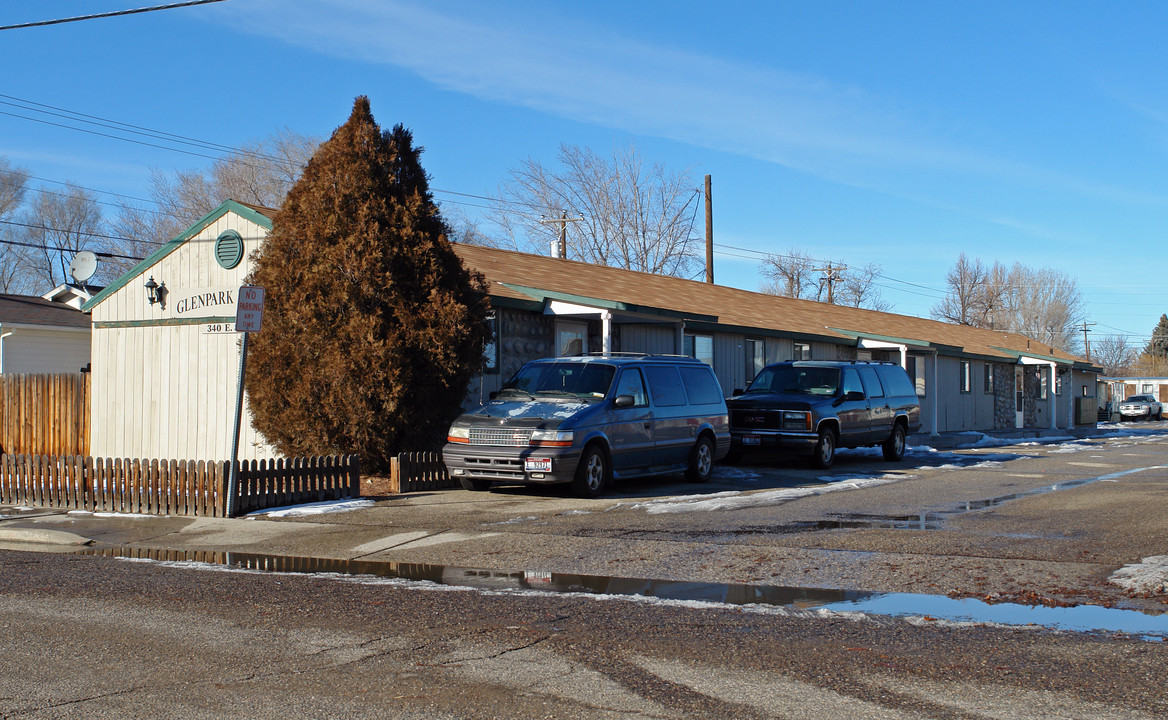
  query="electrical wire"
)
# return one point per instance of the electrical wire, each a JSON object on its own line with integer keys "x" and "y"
{"x": 116, "y": 13}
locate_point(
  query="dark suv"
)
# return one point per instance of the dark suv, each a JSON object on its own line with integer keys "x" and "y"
{"x": 814, "y": 407}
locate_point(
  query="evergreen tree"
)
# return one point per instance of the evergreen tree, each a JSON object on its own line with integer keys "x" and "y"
{"x": 1159, "y": 343}
{"x": 372, "y": 326}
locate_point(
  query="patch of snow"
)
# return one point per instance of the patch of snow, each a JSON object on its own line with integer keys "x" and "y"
{"x": 1147, "y": 577}
{"x": 731, "y": 500}
{"x": 516, "y": 521}
{"x": 317, "y": 508}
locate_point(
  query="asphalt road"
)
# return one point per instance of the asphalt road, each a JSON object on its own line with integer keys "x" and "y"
{"x": 89, "y": 636}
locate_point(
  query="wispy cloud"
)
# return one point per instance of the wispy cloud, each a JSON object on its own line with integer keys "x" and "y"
{"x": 591, "y": 74}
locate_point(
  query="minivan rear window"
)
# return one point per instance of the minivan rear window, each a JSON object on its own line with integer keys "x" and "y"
{"x": 665, "y": 385}
{"x": 701, "y": 386}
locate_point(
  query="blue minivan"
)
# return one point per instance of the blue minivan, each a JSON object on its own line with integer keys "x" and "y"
{"x": 589, "y": 420}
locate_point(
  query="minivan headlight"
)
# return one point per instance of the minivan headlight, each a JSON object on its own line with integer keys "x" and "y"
{"x": 458, "y": 435}
{"x": 796, "y": 420}
{"x": 552, "y": 438}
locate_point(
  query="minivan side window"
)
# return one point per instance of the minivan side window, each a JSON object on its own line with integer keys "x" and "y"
{"x": 871, "y": 382}
{"x": 631, "y": 383}
{"x": 701, "y": 386}
{"x": 665, "y": 384}
{"x": 895, "y": 380}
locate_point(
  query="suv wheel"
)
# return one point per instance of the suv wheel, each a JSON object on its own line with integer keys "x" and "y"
{"x": 591, "y": 473}
{"x": 894, "y": 446}
{"x": 824, "y": 454}
{"x": 701, "y": 461}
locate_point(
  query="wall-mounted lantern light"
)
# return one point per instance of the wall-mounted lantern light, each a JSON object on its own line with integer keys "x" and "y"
{"x": 154, "y": 291}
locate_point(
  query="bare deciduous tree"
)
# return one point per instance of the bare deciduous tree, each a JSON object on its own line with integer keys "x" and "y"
{"x": 1114, "y": 354}
{"x": 1044, "y": 304}
{"x": 13, "y": 184}
{"x": 59, "y": 225}
{"x": 796, "y": 274}
{"x": 260, "y": 173}
{"x": 616, "y": 211}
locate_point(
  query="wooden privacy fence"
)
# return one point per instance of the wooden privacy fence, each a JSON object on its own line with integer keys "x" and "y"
{"x": 45, "y": 414}
{"x": 413, "y": 471}
{"x": 171, "y": 487}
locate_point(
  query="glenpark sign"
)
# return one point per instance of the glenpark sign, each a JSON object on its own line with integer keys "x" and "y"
{"x": 217, "y": 307}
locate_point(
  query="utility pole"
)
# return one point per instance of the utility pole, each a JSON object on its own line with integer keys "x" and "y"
{"x": 563, "y": 220}
{"x": 833, "y": 274}
{"x": 709, "y": 233}
{"x": 1086, "y": 344}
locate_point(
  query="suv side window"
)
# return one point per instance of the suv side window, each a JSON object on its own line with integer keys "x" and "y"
{"x": 895, "y": 379}
{"x": 665, "y": 384}
{"x": 631, "y": 383}
{"x": 851, "y": 382}
{"x": 871, "y": 382}
{"x": 700, "y": 385}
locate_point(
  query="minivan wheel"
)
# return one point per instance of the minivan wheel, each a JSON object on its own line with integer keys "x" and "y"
{"x": 475, "y": 485}
{"x": 591, "y": 473}
{"x": 894, "y": 446}
{"x": 824, "y": 454}
{"x": 701, "y": 461}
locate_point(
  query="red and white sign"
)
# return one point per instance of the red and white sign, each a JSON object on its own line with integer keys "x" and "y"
{"x": 249, "y": 311}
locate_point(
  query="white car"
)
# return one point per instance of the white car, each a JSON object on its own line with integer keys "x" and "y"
{"x": 1139, "y": 407}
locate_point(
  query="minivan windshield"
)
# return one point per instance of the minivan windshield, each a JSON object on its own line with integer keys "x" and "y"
{"x": 794, "y": 379}
{"x": 563, "y": 379}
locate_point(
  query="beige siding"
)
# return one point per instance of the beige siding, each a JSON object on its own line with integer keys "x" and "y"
{"x": 168, "y": 391}
{"x": 29, "y": 350}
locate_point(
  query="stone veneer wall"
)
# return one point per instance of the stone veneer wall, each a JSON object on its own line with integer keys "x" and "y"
{"x": 1004, "y": 417}
{"x": 524, "y": 336}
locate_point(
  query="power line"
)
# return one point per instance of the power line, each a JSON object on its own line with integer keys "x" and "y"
{"x": 78, "y": 232}
{"x": 64, "y": 249}
{"x": 116, "y": 13}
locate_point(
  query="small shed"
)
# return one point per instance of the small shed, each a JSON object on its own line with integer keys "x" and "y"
{"x": 166, "y": 365}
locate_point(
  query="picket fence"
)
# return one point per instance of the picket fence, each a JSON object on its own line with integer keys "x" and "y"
{"x": 418, "y": 471}
{"x": 171, "y": 487}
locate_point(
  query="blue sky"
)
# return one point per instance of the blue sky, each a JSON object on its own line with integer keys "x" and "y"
{"x": 894, "y": 132}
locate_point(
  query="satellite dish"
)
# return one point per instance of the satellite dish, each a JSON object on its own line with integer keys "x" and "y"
{"x": 83, "y": 267}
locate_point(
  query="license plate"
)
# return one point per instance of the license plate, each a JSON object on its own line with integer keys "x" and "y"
{"x": 537, "y": 464}
{"x": 751, "y": 440}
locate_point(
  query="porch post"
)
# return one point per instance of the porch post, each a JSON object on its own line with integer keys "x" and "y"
{"x": 1053, "y": 396}
{"x": 606, "y": 332}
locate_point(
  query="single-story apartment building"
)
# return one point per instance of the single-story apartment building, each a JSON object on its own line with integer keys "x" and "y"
{"x": 165, "y": 371}
{"x": 44, "y": 334}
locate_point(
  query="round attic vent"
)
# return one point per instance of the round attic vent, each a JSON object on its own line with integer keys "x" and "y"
{"x": 228, "y": 249}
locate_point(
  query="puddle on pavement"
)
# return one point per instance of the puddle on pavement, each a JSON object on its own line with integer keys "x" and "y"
{"x": 933, "y": 519}
{"x": 932, "y": 608}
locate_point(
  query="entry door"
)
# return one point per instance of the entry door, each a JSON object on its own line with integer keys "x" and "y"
{"x": 1019, "y": 384}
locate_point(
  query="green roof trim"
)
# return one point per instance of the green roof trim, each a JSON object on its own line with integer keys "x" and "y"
{"x": 228, "y": 206}
{"x": 857, "y": 335}
{"x": 1019, "y": 354}
{"x": 545, "y": 295}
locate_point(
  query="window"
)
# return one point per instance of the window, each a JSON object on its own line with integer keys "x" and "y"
{"x": 1042, "y": 383}
{"x": 989, "y": 379}
{"x": 802, "y": 351}
{"x": 491, "y": 346}
{"x": 851, "y": 382}
{"x": 965, "y": 378}
{"x": 915, "y": 367}
{"x": 665, "y": 384}
{"x": 871, "y": 383}
{"x": 571, "y": 338}
{"x": 1147, "y": 389}
{"x": 755, "y": 357}
{"x": 701, "y": 386}
{"x": 631, "y": 383}
{"x": 700, "y": 347}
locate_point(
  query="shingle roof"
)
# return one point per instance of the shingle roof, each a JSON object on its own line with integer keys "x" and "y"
{"x": 522, "y": 276}
{"x": 32, "y": 310}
